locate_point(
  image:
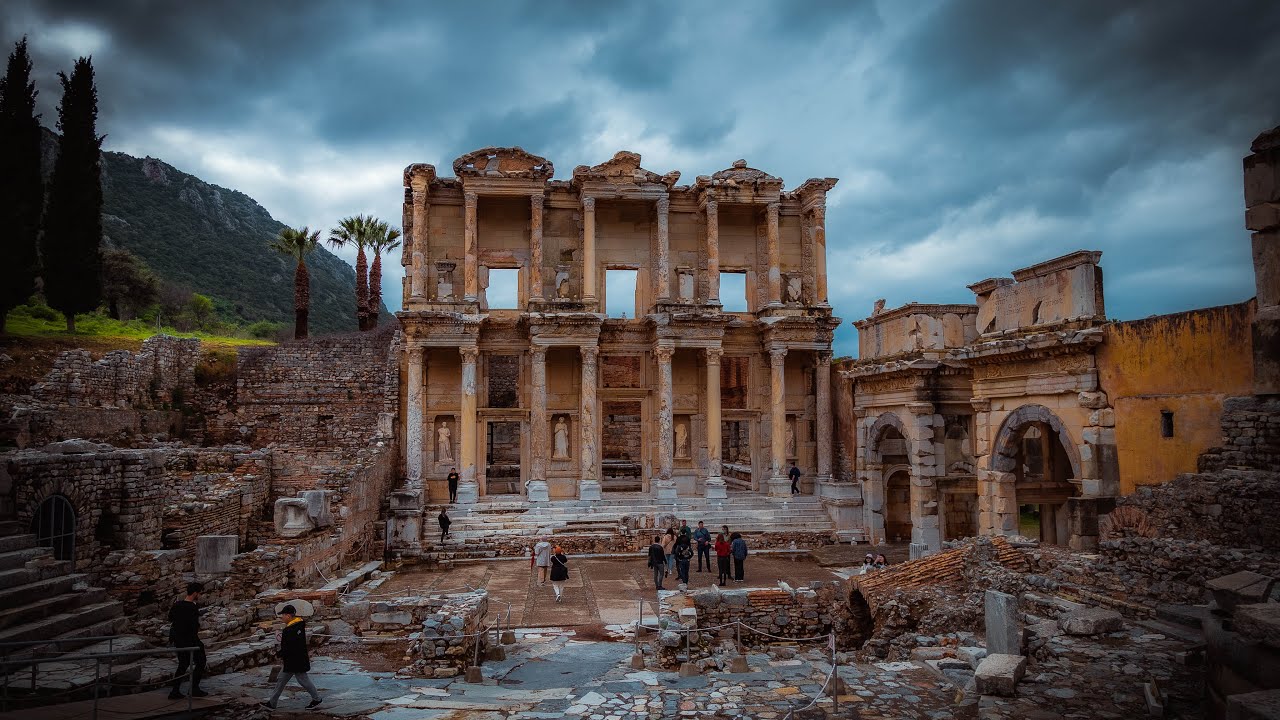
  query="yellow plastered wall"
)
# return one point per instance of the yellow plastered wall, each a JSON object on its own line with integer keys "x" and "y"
{"x": 1185, "y": 363}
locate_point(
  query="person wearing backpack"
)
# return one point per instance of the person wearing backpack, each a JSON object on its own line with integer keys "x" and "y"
{"x": 739, "y": 550}
{"x": 683, "y": 553}
{"x": 294, "y": 657}
{"x": 559, "y": 571}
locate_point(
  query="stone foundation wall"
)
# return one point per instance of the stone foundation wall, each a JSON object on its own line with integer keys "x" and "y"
{"x": 162, "y": 373}
{"x": 445, "y": 648}
{"x": 1230, "y": 508}
{"x": 798, "y": 613}
{"x": 1251, "y": 430}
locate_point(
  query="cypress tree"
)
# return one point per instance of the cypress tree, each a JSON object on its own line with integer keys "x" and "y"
{"x": 73, "y": 217}
{"x": 21, "y": 187}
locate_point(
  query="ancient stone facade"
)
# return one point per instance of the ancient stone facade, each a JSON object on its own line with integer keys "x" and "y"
{"x": 518, "y": 398}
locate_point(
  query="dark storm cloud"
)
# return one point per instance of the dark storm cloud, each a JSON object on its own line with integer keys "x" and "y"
{"x": 970, "y": 137}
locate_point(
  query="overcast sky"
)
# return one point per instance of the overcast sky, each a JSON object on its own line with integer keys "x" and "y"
{"x": 970, "y": 137}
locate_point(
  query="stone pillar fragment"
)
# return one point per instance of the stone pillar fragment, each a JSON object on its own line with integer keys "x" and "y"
{"x": 818, "y": 238}
{"x": 214, "y": 553}
{"x": 1262, "y": 217}
{"x": 713, "y": 251}
{"x": 589, "y": 488}
{"x": 823, "y": 401}
{"x": 471, "y": 249}
{"x": 468, "y": 489}
{"x": 292, "y": 518}
{"x": 662, "y": 273}
{"x": 926, "y": 531}
{"x": 664, "y": 486}
{"x": 715, "y": 487}
{"x": 421, "y": 234}
{"x": 775, "y": 268}
{"x": 535, "y": 247}
{"x": 413, "y": 421}
{"x": 779, "y": 486}
{"x": 537, "y": 489}
{"x": 588, "y": 249}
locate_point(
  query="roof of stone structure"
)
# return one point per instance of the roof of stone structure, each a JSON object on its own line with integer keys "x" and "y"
{"x": 739, "y": 175}
{"x": 944, "y": 569}
{"x": 512, "y": 162}
{"x": 623, "y": 169}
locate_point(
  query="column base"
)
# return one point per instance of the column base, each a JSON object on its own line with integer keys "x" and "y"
{"x": 779, "y": 486}
{"x": 664, "y": 489}
{"x": 918, "y": 550}
{"x": 468, "y": 493}
{"x": 715, "y": 488}
{"x": 536, "y": 491}
{"x": 589, "y": 490}
{"x": 404, "y": 526}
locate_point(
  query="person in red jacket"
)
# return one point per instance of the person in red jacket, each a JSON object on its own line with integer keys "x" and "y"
{"x": 722, "y": 559}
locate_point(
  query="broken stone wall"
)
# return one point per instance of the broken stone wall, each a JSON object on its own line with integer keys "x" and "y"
{"x": 161, "y": 373}
{"x": 449, "y": 634}
{"x": 1250, "y": 436}
{"x": 215, "y": 491}
{"x": 914, "y": 328}
{"x": 1067, "y": 289}
{"x": 796, "y": 613}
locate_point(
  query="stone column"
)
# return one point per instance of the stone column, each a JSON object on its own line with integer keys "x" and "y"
{"x": 662, "y": 274}
{"x": 537, "y": 488}
{"x": 468, "y": 489}
{"x": 823, "y": 402}
{"x": 471, "y": 248}
{"x": 664, "y": 486}
{"x": 1262, "y": 219}
{"x": 819, "y": 229}
{"x": 589, "y": 249}
{"x": 713, "y": 251}
{"x": 418, "y": 269}
{"x": 715, "y": 488}
{"x": 926, "y": 532}
{"x": 589, "y": 488}
{"x": 775, "y": 269}
{"x": 535, "y": 248}
{"x": 413, "y": 423}
{"x": 778, "y": 483}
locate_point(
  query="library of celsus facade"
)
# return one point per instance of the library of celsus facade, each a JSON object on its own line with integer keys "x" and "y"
{"x": 714, "y": 379}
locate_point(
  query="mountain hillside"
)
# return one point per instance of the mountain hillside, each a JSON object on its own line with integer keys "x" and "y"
{"x": 214, "y": 241}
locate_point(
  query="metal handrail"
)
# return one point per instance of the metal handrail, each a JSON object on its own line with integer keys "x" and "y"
{"x": 58, "y": 641}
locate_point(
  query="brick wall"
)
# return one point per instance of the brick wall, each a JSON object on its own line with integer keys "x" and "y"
{"x": 163, "y": 372}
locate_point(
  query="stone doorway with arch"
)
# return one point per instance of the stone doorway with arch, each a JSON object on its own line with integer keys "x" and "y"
{"x": 887, "y": 481}
{"x": 54, "y": 525}
{"x": 1035, "y": 448}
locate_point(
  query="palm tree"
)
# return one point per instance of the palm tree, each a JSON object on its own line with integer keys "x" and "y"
{"x": 355, "y": 231}
{"x": 381, "y": 239}
{"x": 296, "y": 244}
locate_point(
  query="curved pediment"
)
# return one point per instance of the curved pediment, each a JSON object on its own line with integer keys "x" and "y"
{"x": 623, "y": 169}
{"x": 740, "y": 174}
{"x": 511, "y": 162}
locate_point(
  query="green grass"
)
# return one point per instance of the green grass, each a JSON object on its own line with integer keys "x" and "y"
{"x": 21, "y": 322}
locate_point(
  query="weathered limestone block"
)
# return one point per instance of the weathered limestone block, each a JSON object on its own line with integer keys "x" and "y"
{"x": 1261, "y": 705}
{"x": 1090, "y": 621}
{"x": 1260, "y": 622}
{"x": 214, "y": 553}
{"x": 318, "y": 507}
{"x": 999, "y": 674}
{"x": 1240, "y": 588}
{"x": 1003, "y": 624}
{"x": 292, "y": 518}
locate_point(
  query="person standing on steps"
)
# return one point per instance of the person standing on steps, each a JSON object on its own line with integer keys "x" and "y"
{"x": 445, "y": 522}
{"x": 794, "y": 474}
{"x": 722, "y": 559}
{"x": 702, "y": 536}
{"x": 657, "y": 562}
{"x": 684, "y": 553}
{"x": 453, "y": 485}
{"x": 739, "y": 550}
{"x": 184, "y": 632}
{"x": 559, "y": 571}
{"x": 293, "y": 653}
{"x": 542, "y": 559}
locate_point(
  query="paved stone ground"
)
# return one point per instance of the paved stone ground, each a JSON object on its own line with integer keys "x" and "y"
{"x": 599, "y": 590}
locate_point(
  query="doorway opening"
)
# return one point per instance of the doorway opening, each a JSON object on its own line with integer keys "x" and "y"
{"x": 502, "y": 461}
{"x": 54, "y": 525}
{"x": 620, "y": 462}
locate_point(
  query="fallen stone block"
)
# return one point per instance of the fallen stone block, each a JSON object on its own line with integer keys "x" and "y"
{"x": 971, "y": 655}
{"x": 214, "y": 553}
{"x": 999, "y": 674}
{"x": 1003, "y": 626}
{"x": 1261, "y": 705}
{"x": 1090, "y": 621}
{"x": 1155, "y": 699}
{"x": 1259, "y": 622}
{"x": 1240, "y": 588}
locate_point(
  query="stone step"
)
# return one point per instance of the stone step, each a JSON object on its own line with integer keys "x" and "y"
{"x": 62, "y": 623}
{"x": 16, "y": 542}
{"x": 11, "y": 527}
{"x": 17, "y": 558}
{"x": 43, "y": 608}
{"x": 50, "y": 587}
{"x": 18, "y": 577}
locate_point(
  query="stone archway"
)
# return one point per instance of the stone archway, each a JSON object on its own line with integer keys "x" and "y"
{"x": 886, "y": 449}
{"x": 897, "y": 505}
{"x": 1034, "y": 448}
{"x": 53, "y": 522}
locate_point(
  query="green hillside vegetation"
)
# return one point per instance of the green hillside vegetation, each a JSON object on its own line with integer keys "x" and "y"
{"x": 43, "y": 321}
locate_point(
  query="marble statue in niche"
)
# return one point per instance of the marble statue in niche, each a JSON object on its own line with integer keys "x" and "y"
{"x": 682, "y": 439}
{"x": 560, "y": 446}
{"x": 562, "y": 282}
{"x": 791, "y": 437}
{"x": 793, "y": 289}
{"x": 444, "y": 443}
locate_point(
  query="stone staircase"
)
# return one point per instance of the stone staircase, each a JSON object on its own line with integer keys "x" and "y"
{"x": 491, "y": 528}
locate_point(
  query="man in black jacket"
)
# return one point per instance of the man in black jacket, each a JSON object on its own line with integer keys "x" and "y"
{"x": 293, "y": 653}
{"x": 657, "y": 562}
{"x": 184, "y": 632}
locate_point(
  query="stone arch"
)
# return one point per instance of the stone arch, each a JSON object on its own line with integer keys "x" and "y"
{"x": 876, "y": 433}
{"x": 1006, "y": 447}
{"x": 85, "y": 516}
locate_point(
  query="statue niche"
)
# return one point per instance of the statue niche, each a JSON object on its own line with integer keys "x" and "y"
{"x": 560, "y": 440}
{"x": 444, "y": 443}
{"x": 682, "y": 439}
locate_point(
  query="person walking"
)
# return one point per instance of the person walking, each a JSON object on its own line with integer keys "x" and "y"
{"x": 542, "y": 559}
{"x": 722, "y": 559}
{"x": 684, "y": 553}
{"x": 559, "y": 571}
{"x": 293, "y": 653}
{"x": 702, "y": 537}
{"x": 794, "y": 474}
{"x": 445, "y": 522}
{"x": 739, "y": 549}
{"x": 453, "y": 484}
{"x": 657, "y": 561}
{"x": 668, "y": 547}
{"x": 184, "y": 632}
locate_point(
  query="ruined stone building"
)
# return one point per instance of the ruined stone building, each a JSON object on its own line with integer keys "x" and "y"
{"x": 709, "y": 375}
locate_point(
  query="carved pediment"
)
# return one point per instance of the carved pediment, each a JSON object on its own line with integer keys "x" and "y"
{"x": 512, "y": 162}
{"x": 623, "y": 169}
{"x": 740, "y": 175}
